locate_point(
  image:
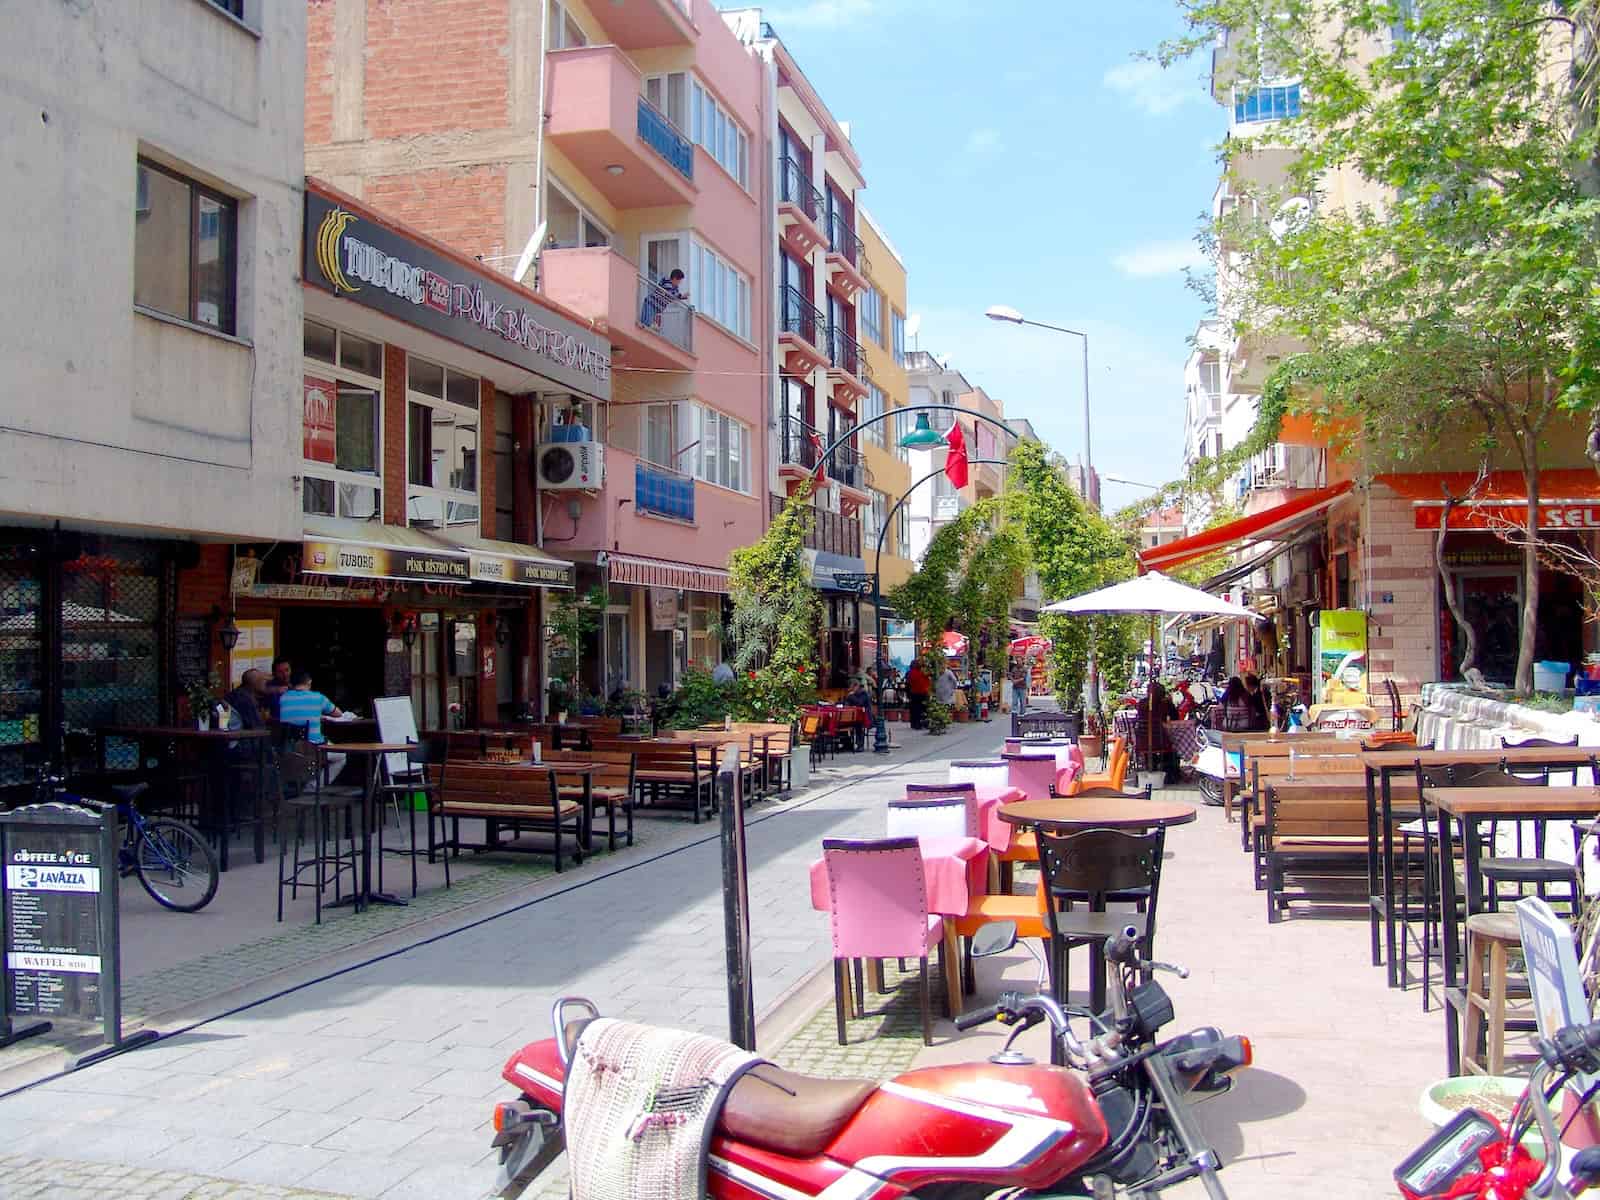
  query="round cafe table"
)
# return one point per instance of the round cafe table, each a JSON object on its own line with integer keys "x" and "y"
{"x": 1069, "y": 814}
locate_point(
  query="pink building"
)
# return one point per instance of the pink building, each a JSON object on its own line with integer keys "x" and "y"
{"x": 595, "y": 149}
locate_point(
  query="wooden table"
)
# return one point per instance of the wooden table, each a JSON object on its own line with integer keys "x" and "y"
{"x": 215, "y": 743}
{"x": 364, "y": 893}
{"x": 1069, "y": 815}
{"x": 354, "y": 729}
{"x": 1471, "y": 806}
{"x": 1381, "y": 767}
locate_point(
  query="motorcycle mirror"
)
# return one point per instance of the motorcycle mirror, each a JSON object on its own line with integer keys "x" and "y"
{"x": 994, "y": 939}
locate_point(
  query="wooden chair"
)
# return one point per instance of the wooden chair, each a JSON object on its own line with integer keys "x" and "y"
{"x": 612, "y": 785}
{"x": 1491, "y": 940}
{"x": 1311, "y": 838}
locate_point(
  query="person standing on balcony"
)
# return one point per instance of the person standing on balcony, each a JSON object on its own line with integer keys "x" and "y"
{"x": 668, "y": 289}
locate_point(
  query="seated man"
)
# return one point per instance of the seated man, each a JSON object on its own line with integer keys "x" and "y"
{"x": 302, "y": 706}
{"x": 248, "y": 698}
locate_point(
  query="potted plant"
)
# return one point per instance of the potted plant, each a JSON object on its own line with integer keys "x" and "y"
{"x": 204, "y": 696}
{"x": 558, "y": 699}
{"x": 1091, "y": 742}
{"x": 938, "y": 717}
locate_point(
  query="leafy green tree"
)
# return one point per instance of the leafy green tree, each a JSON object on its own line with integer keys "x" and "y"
{"x": 1465, "y": 302}
{"x": 776, "y": 616}
{"x": 573, "y": 618}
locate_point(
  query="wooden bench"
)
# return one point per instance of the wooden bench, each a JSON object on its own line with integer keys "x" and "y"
{"x": 1275, "y": 756}
{"x": 612, "y": 788}
{"x": 1313, "y": 840}
{"x": 670, "y": 774}
{"x": 517, "y": 797}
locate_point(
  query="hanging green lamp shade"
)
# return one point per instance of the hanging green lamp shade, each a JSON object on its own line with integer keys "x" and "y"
{"x": 922, "y": 436}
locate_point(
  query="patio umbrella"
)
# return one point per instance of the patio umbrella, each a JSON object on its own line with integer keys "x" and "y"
{"x": 1154, "y": 594}
{"x": 955, "y": 644}
{"x": 1031, "y": 645}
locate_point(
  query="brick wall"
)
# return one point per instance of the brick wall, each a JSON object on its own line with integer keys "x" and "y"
{"x": 394, "y": 435}
{"x": 1404, "y": 632}
{"x": 437, "y": 66}
{"x": 464, "y": 208}
{"x": 319, "y": 72}
{"x": 204, "y": 586}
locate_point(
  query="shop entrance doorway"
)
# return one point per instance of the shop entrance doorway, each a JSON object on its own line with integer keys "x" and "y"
{"x": 341, "y": 647}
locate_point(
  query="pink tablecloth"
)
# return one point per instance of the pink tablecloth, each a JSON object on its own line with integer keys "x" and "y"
{"x": 954, "y": 868}
{"x": 995, "y": 831}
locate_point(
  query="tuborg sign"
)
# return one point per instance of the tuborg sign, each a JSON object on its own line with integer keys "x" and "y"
{"x": 359, "y": 260}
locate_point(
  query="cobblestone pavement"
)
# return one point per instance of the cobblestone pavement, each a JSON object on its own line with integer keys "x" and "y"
{"x": 54, "y": 1179}
{"x": 379, "y": 1081}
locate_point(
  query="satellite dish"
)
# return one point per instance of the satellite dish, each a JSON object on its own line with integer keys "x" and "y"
{"x": 530, "y": 252}
{"x": 1292, "y": 217}
{"x": 913, "y": 324}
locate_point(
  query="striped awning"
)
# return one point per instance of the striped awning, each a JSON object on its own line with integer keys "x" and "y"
{"x": 658, "y": 572}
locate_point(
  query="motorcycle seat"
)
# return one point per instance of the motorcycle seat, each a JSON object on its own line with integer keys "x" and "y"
{"x": 790, "y": 1114}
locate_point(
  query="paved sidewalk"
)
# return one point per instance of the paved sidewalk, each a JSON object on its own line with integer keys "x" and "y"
{"x": 379, "y": 1082}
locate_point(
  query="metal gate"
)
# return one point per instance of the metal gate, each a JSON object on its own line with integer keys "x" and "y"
{"x": 22, "y": 671}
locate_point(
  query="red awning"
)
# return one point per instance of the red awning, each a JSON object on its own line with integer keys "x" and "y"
{"x": 656, "y": 572}
{"x": 1568, "y": 499}
{"x": 1265, "y": 526}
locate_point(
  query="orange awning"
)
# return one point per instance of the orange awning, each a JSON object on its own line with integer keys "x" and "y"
{"x": 1305, "y": 429}
{"x": 1568, "y": 498}
{"x": 1268, "y": 525}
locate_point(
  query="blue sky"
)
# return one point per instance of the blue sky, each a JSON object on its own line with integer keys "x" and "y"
{"x": 1016, "y": 153}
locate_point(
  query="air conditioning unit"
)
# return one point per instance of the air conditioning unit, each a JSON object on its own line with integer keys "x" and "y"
{"x": 570, "y": 466}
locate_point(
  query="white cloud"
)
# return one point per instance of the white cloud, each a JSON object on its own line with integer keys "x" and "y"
{"x": 983, "y": 141}
{"x": 1159, "y": 258}
{"x": 821, "y": 14}
{"x": 1152, "y": 88}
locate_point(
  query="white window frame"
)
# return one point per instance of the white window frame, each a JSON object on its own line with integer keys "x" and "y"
{"x": 328, "y": 472}
{"x": 873, "y": 404}
{"x": 711, "y": 426}
{"x": 561, "y": 16}
{"x": 897, "y": 328}
{"x": 869, "y": 315}
{"x": 446, "y": 496}
{"x": 711, "y": 290}
{"x": 585, "y": 216}
{"x": 718, "y": 132}
{"x": 664, "y": 107}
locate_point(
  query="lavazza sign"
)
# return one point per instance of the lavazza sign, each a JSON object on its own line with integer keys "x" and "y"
{"x": 391, "y": 273}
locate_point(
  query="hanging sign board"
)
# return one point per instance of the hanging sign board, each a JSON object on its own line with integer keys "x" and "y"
{"x": 663, "y": 609}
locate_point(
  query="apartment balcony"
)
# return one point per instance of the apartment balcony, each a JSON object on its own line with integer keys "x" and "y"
{"x": 663, "y": 492}
{"x": 830, "y": 532}
{"x": 621, "y": 142}
{"x": 847, "y": 366}
{"x": 848, "y": 469}
{"x": 799, "y": 209}
{"x": 987, "y": 480}
{"x": 648, "y": 327}
{"x": 798, "y": 443}
{"x": 846, "y": 259}
{"x": 802, "y": 333}
{"x": 646, "y": 24}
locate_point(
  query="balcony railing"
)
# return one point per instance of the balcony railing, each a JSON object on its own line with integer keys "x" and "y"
{"x": 843, "y": 240}
{"x": 794, "y": 187}
{"x": 845, "y": 465}
{"x": 797, "y": 442}
{"x": 832, "y": 533}
{"x": 663, "y": 491}
{"x": 844, "y": 351}
{"x": 800, "y": 317}
{"x": 661, "y": 136}
{"x": 666, "y": 315}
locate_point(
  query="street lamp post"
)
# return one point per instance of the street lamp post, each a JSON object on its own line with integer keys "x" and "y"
{"x": 1002, "y": 312}
{"x": 921, "y": 438}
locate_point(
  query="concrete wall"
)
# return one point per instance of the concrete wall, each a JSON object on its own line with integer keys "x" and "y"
{"x": 111, "y": 416}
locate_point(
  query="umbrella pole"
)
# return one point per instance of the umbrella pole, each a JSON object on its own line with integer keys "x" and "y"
{"x": 1150, "y": 703}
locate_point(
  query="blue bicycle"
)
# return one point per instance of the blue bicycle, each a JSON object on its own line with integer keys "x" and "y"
{"x": 173, "y": 860}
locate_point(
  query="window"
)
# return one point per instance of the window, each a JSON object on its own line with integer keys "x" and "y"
{"x": 897, "y": 326}
{"x": 341, "y": 415}
{"x": 661, "y": 442}
{"x": 571, "y": 225}
{"x": 873, "y": 519}
{"x": 505, "y": 467}
{"x": 232, "y": 7}
{"x": 441, "y": 445}
{"x": 872, "y": 405}
{"x": 720, "y": 290}
{"x": 943, "y": 419}
{"x": 1266, "y": 104}
{"x": 560, "y": 410}
{"x": 670, "y": 94}
{"x": 722, "y": 137}
{"x": 705, "y": 617}
{"x": 724, "y": 457}
{"x": 904, "y": 531}
{"x": 185, "y": 248}
{"x": 869, "y": 311}
{"x": 563, "y": 33}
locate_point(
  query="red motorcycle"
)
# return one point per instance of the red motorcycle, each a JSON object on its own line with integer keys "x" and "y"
{"x": 1112, "y": 1121}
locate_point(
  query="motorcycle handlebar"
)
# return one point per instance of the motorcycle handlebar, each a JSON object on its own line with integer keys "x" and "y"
{"x": 978, "y": 1016}
{"x": 1121, "y": 947}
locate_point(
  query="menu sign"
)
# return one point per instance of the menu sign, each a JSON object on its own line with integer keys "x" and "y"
{"x": 54, "y": 883}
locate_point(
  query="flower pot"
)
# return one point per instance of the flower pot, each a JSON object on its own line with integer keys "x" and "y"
{"x": 1091, "y": 745}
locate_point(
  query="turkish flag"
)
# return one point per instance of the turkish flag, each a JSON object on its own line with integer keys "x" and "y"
{"x": 816, "y": 449}
{"x": 955, "y": 463}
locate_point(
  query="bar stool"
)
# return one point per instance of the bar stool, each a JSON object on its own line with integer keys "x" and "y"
{"x": 1491, "y": 937}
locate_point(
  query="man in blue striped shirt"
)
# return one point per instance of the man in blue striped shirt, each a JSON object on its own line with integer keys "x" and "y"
{"x": 302, "y": 706}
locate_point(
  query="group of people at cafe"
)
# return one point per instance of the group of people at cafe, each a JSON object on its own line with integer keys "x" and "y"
{"x": 287, "y": 696}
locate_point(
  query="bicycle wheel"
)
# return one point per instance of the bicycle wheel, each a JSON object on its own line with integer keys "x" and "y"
{"x": 176, "y": 865}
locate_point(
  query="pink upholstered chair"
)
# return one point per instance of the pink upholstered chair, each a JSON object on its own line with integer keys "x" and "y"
{"x": 878, "y": 908}
{"x": 1033, "y": 774}
{"x": 945, "y": 818}
{"x": 967, "y": 793}
{"x": 981, "y": 772}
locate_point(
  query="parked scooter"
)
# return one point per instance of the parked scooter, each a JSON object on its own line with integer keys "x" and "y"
{"x": 1113, "y": 1122}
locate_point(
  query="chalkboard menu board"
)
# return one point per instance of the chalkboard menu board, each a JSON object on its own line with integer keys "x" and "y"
{"x": 58, "y": 892}
{"x": 191, "y": 657}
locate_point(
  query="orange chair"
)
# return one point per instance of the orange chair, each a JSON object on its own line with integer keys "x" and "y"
{"x": 1117, "y": 762}
{"x": 1026, "y": 911}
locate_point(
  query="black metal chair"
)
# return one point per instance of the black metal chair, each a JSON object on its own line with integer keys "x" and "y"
{"x": 401, "y": 788}
{"x": 299, "y": 774}
{"x": 1094, "y": 867}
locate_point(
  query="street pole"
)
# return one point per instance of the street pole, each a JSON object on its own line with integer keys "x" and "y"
{"x": 880, "y": 727}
